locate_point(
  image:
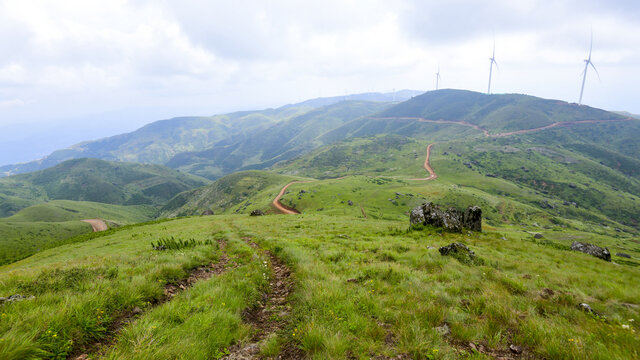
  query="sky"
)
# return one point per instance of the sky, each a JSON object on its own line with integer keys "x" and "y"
{"x": 80, "y": 69}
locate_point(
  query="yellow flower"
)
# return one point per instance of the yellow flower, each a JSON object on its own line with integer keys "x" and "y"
{"x": 435, "y": 350}
{"x": 55, "y": 335}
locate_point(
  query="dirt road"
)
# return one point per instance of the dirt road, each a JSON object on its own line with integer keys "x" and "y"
{"x": 427, "y": 166}
{"x": 97, "y": 224}
{"x": 486, "y": 132}
{"x": 283, "y": 208}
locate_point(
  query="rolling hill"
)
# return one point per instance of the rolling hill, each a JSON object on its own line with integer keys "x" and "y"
{"x": 97, "y": 181}
{"x": 282, "y": 141}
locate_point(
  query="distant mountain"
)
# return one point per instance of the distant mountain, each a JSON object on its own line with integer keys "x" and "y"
{"x": 159, "y": 141}
{"x": 398, "y": 96}
{"x": 97, "y": 181}
{"x": 281, "y": 141}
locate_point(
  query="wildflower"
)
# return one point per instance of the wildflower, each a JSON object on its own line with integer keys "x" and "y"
{"x": 630, "y": 320}
{"x": 153, "y": 327}
{"x": 55, "y": 335}
{"x": 570, "y": 339}
{"x": 625, "y": 326}
{"x": 3, "y": 314}
{"x": 435, "y": 351}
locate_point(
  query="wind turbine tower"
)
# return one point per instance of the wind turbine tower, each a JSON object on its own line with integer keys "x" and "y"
{"x": 492, "y": 60}
{"x": 587, "y": 62}
{"x": 438, "y": 77}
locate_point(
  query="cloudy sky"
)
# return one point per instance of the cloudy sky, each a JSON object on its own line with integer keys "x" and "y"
{"x": 80, "y": 70}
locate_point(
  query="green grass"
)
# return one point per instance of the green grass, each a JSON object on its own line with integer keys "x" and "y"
{"x": 47, "y": 225}
{"x": 362, "y": 288}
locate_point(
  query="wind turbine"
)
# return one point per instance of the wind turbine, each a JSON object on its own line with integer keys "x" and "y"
{"x": 587, "y": 62}
{"x": 492, "y": 61}
{"x": 438, "y": 77}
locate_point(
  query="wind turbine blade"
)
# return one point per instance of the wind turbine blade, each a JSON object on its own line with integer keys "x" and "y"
{"x": 594, "y": 69}
{"x": 495, "y": 62}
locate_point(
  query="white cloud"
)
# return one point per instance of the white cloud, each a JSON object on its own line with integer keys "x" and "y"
{"x": 72, "y": 57}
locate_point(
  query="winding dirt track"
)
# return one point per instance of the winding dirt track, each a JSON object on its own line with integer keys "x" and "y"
{"x": 432, "y": 174}
{"x": 284, "y": 208}
{"x": 486, "y": 132}
{"x": 96, "y": 224}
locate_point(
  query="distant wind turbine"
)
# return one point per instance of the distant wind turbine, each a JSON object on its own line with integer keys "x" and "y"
{"x": 438, "y": 77}
{"x": 587, "y": 62}
{"x": 492, "y": 61}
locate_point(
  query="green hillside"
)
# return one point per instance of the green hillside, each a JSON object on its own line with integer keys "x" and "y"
{"x": 97, "y": 181}
{"x": 496, "y": 113}
{"x": 46, "y": 225}
{"x": 282, "y": 141}
{"x": 352, "y": 287}
{"x": 240, "y": 192}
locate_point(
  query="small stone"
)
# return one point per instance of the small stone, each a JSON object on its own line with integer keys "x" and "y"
{"x": 515, "y": 349}
{"x": 538, "y": 236}
{"x": 473, "y": 346}
{"x": 624, "y": 255}
{"x": 443, "y": 330}
{"x": 586, "y": 308}
{"x": 257, "y": 212}
{"x": 350, "y": 203}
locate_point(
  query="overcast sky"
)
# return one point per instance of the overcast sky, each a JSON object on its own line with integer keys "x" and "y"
{"x": 80, "y": 70}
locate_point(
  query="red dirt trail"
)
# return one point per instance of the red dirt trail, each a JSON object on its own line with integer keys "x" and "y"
{"x": 96, "y": 224}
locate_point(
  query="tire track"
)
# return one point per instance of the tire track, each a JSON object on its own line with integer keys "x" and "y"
{"x": 203, "y": 272}
{"x": 270, "y": 315}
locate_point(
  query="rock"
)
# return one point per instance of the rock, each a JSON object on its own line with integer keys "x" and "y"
{"x": 586, "y": 308}
{"x": 472, "y": 218}
{"x": 573, "y": 186}
{"x": 452, "y": 219}
{"x": 503, "y": 238}
{"x": 350, "y": 203}
{"x": 515, "y": 349}
{"x": 443, "y": 330}
{"x": 624, "y": 255}
{"x": 207, "y": 212}
{"x": 16, "y": 297}
{"x": 257, "y": 212}
{"x": 538, "y": 236}
{"x": 593, "y": 250}
{"x": 460, "y": 252}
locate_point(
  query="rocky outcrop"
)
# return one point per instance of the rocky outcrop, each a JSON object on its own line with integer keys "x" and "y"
{"x": 207, "y": 212}
{"x": 460, "y": 252}
{"x": 256, "y": 213}
{"x": 452, "y": 219}
{"x": 593, "y": 250}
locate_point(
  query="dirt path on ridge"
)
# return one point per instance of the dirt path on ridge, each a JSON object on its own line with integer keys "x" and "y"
{"x": 290, "y": 211}
{"x": 486, "y": 132}
{"x": 96, "y": 224}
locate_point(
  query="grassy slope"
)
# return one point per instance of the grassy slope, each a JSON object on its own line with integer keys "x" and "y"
{"x": 46, "y": 225}
{"x": 497, "y": 113}
{"x": 240, "y": 192}
{"x": 363, "y": 288}
{"x": 98, "y": 181}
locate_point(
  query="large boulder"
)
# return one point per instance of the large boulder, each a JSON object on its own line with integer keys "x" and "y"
{"x": 452, "y": 219}
{"x": 593, "y": 250}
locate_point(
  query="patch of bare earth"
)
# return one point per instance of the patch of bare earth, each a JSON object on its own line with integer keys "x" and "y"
{"x": 200, "y": 273}
{"x": 270, "y": 314}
